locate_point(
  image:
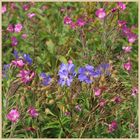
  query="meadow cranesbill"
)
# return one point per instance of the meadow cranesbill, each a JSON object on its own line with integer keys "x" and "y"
{"x": 46, "y": 79}
{"x": 66, "y": 74}
{"x": 86, "y": 74}
{"x": 27, "y": 59}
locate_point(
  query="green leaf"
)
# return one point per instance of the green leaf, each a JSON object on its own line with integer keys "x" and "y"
{"x": 50, "y": 46}
{"x": 62, "y": 59}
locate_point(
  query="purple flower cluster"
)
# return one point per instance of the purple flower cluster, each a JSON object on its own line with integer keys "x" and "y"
{"x": 85, "y": 74}
{"x": 26, "y": 57}
{"x": 46, "y": 79}
{"x": 80, "y": 22}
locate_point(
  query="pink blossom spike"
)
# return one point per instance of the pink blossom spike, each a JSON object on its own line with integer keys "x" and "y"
{"x": 32, "y": 112}
{"x": 100, "y": 13}
{"x": 18, "y": 27}
{"x": 13, "y": 115}
{"x": 4, "y": 8}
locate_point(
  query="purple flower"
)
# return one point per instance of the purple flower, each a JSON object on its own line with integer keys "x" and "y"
{"x": 30, "y": 15}
{"x": 67, "y": 114}
{"x": 32, "y": 112}
{"x": 127, "y": 66}
{"x": 26, "y": 76}
{"x": 100, "y": 13}
{"x": 4, "y": 9}
{"x": 18, "y": 27}
{"x": 112, "y": 126}
{"x": 134, "y": 91}
{"x": 78, "y": 108}
{"x": 14, "y": 41}
{"x": 113, "y": 9}
{"x": 73, "y": 25}
{"x": 13, "y": 115}
{"x": 24, "y": 36}
{"x": 117, "y": 99}
{"x": 10, "y": 28}
{"x": 80, "y": 22}
{"x": 27, "y": 58}
{"x": 97, "y": 91}
{"x": 121, "y": 23}
{"x": 102, "y": 102}
{"x": 46, "y": 79}
{"x": 127, "y": 49}
{"x": 66, "y": 74}
{"x": 126, "y": 30}
{"x": 5, "y": 70}
{"x": 67, "y": 20}
{"x": 13, "y": 6}
{"x": 121, "y": 5}
{"x": 16, "y": 54}
{"x": 26, "y": 7}
{"x": 132, "y": 37}
{"x": 18, "y": 63}
{"x": 103, "y": 69}
{"x": 86, "y": 74}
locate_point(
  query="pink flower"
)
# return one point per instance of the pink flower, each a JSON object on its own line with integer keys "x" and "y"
{"x": 67, "y": 113}
{"x": 24, "y": 36}
{"x": 13, "y": 6}
{"x": 126, "y": 30}
{"x": 78, "y": 107}
{"x": 121, "y": 23}
{"x": 73, "y": 25}
{"x": 80, "y": 22}
{"x": 18, "y": 63}
{"x": 127, "y": 49}
{"x": 30, "y": 15}
{"x": 97, "y": 91}
{"x": 70, "y": 61}
{"x": 67, "y": 20}
{"x": 18, "y": 27}
{"x": 121, "y": 5}
{"x": 4, "y": 9}
{"x": 117, "y": 99}
{"x": 26, "y": 76}
{"x": 26, "y": 7}
{"x": 127, "y": 66}
{"x": 14, "y": 41}
{"x": 32, "y": 112}
{"x": 112, "y": 127}
{"x": 10, "y": 28}
{"x": 100, "y": 13}
{"x": 132, "y": 37}
{"x": 102, "y": 102}
{"x": 13, "y": 115}
{"x": 113, "y": 9}
{"x": 134, "y": 91}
